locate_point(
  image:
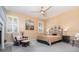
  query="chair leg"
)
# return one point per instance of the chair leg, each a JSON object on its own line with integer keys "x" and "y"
{"x": 25, "y": 44}
{"x": 16, "y": 43}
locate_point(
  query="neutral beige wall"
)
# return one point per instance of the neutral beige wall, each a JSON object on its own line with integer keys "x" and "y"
{"x": 22, "y": 17}
{"x": 67, "y": 19}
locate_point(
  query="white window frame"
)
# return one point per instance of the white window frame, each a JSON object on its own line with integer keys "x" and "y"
{"x": 42, "y": 28}
{"x": 17, "y": 24}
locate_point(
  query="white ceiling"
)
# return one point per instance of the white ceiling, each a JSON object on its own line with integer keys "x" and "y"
{"x": 55, "y": 10}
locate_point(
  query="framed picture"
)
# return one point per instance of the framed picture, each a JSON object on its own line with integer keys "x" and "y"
{"x": 29, "y": 25}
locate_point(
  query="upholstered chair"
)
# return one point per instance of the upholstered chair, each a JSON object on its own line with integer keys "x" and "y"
{"x": 76, "y": 39}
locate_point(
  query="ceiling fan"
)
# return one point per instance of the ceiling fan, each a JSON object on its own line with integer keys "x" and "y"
{"x": 43, "y": 10}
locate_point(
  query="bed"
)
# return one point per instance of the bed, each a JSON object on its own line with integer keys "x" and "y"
{"x": 49, "y": 39}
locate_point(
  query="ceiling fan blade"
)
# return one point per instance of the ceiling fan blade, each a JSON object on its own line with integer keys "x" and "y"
{"x": 44, "y": 14}
{"x": 35, "y": 11}
{"x": 48, "y": 8}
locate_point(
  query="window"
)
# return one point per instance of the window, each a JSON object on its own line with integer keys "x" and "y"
{"x": 12, "y": 24}
{"x": 40, "y": 26}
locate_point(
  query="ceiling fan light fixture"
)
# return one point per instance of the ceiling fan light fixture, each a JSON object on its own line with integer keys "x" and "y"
{"x": 42, "y": 12}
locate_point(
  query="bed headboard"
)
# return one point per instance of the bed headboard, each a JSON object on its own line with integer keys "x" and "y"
{"x": 55, "y": 30}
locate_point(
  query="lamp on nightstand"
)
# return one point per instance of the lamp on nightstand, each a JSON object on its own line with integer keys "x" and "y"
{"x": 65, "y": 31}
{"x": 47, "y": 31}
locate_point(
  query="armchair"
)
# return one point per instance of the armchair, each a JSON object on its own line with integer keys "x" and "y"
{"x": 16, "y": 39}
{"x": 76, "y": 36}
{"x": 19, "y": 39}
{"x": 75, "y": 40}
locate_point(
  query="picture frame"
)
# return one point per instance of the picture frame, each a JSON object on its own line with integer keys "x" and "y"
{"x": 29, "y": 25}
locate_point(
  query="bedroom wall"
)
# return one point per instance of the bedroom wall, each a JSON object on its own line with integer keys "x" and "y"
{"x": 32, "y": 34}
{"x": 68, "y": 19}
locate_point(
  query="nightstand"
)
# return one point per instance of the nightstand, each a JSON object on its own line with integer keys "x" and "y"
{"x": 66, "y": 38}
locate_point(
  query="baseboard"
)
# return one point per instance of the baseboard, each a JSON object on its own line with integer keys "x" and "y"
{"x": 9, "y": 43}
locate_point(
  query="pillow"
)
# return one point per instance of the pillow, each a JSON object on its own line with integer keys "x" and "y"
{"x": 18, "y": 37}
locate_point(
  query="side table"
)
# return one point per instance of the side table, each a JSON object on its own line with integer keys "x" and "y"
{"x": 66, "y": 38}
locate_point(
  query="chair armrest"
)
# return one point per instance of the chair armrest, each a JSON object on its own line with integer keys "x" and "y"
{"x": 25, "y": 40}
